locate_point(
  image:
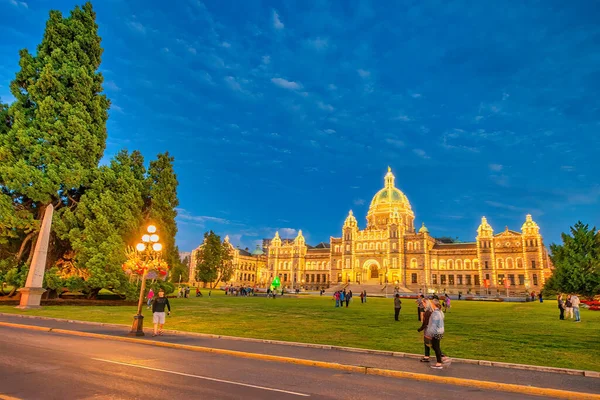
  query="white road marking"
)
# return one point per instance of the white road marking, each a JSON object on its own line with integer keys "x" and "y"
{"x": 202, "y": 377}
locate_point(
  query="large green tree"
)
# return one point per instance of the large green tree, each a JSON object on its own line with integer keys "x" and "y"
{"x": 106, "y": 220}
{"x": 161, "y": 203}
{"x": 58, "y": 125}
{"x": 577, "y": 262}
{"x": 213, "y": 260}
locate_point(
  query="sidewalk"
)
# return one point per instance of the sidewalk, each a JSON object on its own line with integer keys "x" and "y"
{"x": 384, "y": 360}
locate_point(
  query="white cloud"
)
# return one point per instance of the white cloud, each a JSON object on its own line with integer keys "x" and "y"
{"x": 137, "y": 26}
{"x": 416, "y": 95}
{"x": 226, "y": 45}
{"x": 500, "y": 180}
{"x": 111, "y": 85}
{"x": 285, "y": 84}
{"x": 185, "y": 215}
{"x": 325, "y": 107}
{"x": 395, "y": 142}
{"x": 505, "y": 96}
{"x": 421, "y": 153}
{"x": 277, "y": 24}
{"x": 19, "y": 3}
{"x": 288, "y": 232}
{"x": 363, "y": 73}
{"x": 165, "y": 49}
{"x": 266, "y": 59}
{"x": 330, "y": 131}
{"x": 319, "y": 43}
{"x": 233, "y": 83}
{"x": 115, "y": 107}
{"x": 402, "y": 117}
{"x": 192, "y": 50}
{"x": 496, "y": 167}
{"x": 359, "y": 202}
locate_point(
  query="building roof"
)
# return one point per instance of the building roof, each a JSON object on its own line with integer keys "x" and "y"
{"x": 323, "y": 245}
{"x": 244, "y": 252}
{"x": 454, "y": 246}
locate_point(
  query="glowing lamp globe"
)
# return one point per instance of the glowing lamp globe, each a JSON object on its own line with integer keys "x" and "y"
{"x": 151, "y": 229}
{"x": 146, "y": 238}
{"x": 154, "y": 238}
{"x": 140, "y": 247}
{"x": 157, "y": 247}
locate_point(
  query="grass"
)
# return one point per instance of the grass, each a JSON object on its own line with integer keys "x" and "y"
{"x": 526, "y": 333}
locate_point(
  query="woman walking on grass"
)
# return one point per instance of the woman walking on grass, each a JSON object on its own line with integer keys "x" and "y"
{"x": 435, "y": 333}
{"x": 561, "y": 306}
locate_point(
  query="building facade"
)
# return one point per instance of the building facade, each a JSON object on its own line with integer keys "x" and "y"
{"x": 390, "y": 251}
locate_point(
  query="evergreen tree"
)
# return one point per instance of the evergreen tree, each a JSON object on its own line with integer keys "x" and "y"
{"x": 58, "y": 123}
{"x": 161, "y": 203}
{"x": 106, "y": 220}
{"x": 214, "y": 260}
{"x": 577, "y": 262}
{"x": 180, "y": 271}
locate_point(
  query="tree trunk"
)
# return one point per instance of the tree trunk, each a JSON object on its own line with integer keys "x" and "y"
{"x": 13, "y": 291}
{"x": 24, "y": 243}
{"x": 93, "y": 294}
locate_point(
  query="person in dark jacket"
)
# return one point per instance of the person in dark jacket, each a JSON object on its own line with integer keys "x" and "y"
{"x": 561, "y": 306}
{"x": 425, "y": 320}
{"x": 397, "y": 306}
{"x": 158, "y": 312}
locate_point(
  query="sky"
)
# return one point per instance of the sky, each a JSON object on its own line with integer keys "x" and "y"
{"x": 285, "y": 115}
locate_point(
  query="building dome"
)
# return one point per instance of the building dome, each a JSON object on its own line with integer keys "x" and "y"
{"x": 389, "y": 201}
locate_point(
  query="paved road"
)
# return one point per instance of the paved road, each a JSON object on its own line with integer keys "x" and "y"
{"x": 39, "y": 365}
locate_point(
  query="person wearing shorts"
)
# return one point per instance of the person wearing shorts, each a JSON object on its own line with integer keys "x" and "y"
{"x": 158, "y": 312}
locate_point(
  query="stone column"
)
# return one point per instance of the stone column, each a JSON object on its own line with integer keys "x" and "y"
{"x": 31, "y": 294}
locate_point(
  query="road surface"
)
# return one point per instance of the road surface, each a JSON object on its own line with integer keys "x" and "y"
{"x": 41, "y": 365}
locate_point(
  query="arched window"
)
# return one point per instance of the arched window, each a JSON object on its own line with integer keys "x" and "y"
{"x": 450, "y": 264}
{"x": 285, "y": 265}
{"x": 417, "y": 246}
{"x": 410, "y": 246}
{"x": 377, "y": 246}
{"x": 359, "y": 246}
{"x": 500, "y": 263}
{"x": 475, "y": 264}
{"x": 337, "y": 249}
{"x": 280, "y": 264}
{"x": 442, "y": 264}
{"x": 467, "y": 264}
{"x": 433, "y": 264}
{"x": 383, "y": 246}
{"x": 509, "y": 263}
{"x": 413, "y": 263}
{"x": 519, "y": 262}
{"x": 371, "y": 246}
{"x": 314, "y": 265}
{"x": 458, "y": 264}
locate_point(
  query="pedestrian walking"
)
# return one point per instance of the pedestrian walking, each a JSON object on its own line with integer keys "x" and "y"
{"x": 561, "y": 306}
{"x": 428, "y": 307}
{"x": 420, "y": 309}
{"x": 158, "y": 312}
{"x": 348, "y": 298}
{"x": 150, "y": 297}
{"x": 365, "y": 293}
{"x": 447, "y": 304}
{"x": 362, "y": 297}
{"x": 397, "y": 306}
{"x": 575, "y": 304}
{"x": 568, "y": 307}
{"x": 342, "y": 298}
{"x": 435, "y": 333}
{"x": 336, "y": 297}
{"x": 540, "y": 297}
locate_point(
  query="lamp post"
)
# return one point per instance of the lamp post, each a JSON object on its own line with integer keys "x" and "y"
{"x": 149, "y": 248}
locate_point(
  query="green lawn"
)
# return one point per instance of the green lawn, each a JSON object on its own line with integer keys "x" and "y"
{"x": 527, "y": 333}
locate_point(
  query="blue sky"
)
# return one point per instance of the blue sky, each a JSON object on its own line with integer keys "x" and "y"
{"x": 285, "y": 115}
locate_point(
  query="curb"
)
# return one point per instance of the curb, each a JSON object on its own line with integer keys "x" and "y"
{"x": 485, "y": 363}
{"x": 494, "y": 386}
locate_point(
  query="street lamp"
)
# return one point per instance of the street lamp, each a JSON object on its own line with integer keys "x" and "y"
{"x": 149, "y": 249}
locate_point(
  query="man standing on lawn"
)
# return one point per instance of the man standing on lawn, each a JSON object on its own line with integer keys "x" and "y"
{"x": 397, "y": 306}
{"x": 158, "y": 312}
